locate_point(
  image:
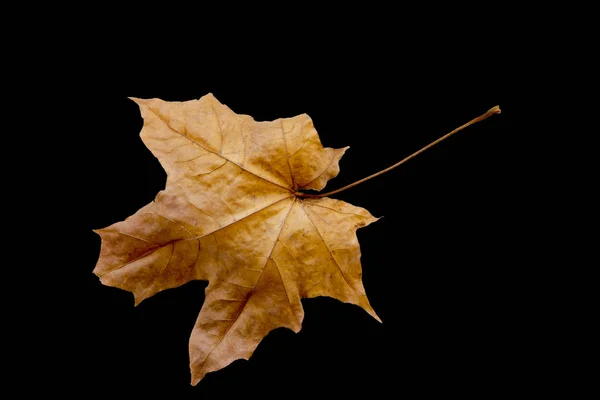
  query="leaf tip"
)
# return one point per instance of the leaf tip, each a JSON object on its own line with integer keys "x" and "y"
{"x": 137, "y": 300}
{"x": 196, "y": 378}
{"x": 373, "y": 314}
{"x": 136, "y": 100}
{"x": 363, "y": 303}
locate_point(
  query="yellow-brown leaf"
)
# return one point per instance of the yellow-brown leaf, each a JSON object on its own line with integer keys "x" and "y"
{"x": 230, "y": 214}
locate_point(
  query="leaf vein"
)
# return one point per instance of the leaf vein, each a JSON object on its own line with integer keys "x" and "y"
{"x": 193, "y": 158}
{"x": 287, "y": 155}
{"x": 330, "y": 253}
{"x": 205, "y": 148}
{"x": 252, "y": 213}
{"x": 236, "y": 318}
{"x": 137, "y": 237}
{"x": 131, "y": 261}
{"x": 333, "y": 209}
{"x": 161, "y": 272}
{"x": 212, "y": 105}
{"x": 170, "y": 220}
{"x": 322, "y": 172}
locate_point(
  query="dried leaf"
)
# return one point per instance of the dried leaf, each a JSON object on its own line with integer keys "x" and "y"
{"x": 231, "y": 214}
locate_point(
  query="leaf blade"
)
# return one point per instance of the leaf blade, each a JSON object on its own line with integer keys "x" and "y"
{"x": 229, "y": 214}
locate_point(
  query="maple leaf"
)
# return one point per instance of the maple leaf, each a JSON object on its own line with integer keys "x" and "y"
{"x": 231, "y": 213}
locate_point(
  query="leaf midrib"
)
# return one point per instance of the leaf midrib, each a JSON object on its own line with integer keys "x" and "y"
{"x": 214, "y": 152}
{"x": 160, "y": 246}
{"x": 235, "y": 319}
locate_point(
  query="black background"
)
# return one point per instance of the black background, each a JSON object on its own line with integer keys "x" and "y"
{"x": 439, "y": 268}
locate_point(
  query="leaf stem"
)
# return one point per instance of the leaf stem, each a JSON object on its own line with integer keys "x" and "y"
{"x": 489, "y": 113}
